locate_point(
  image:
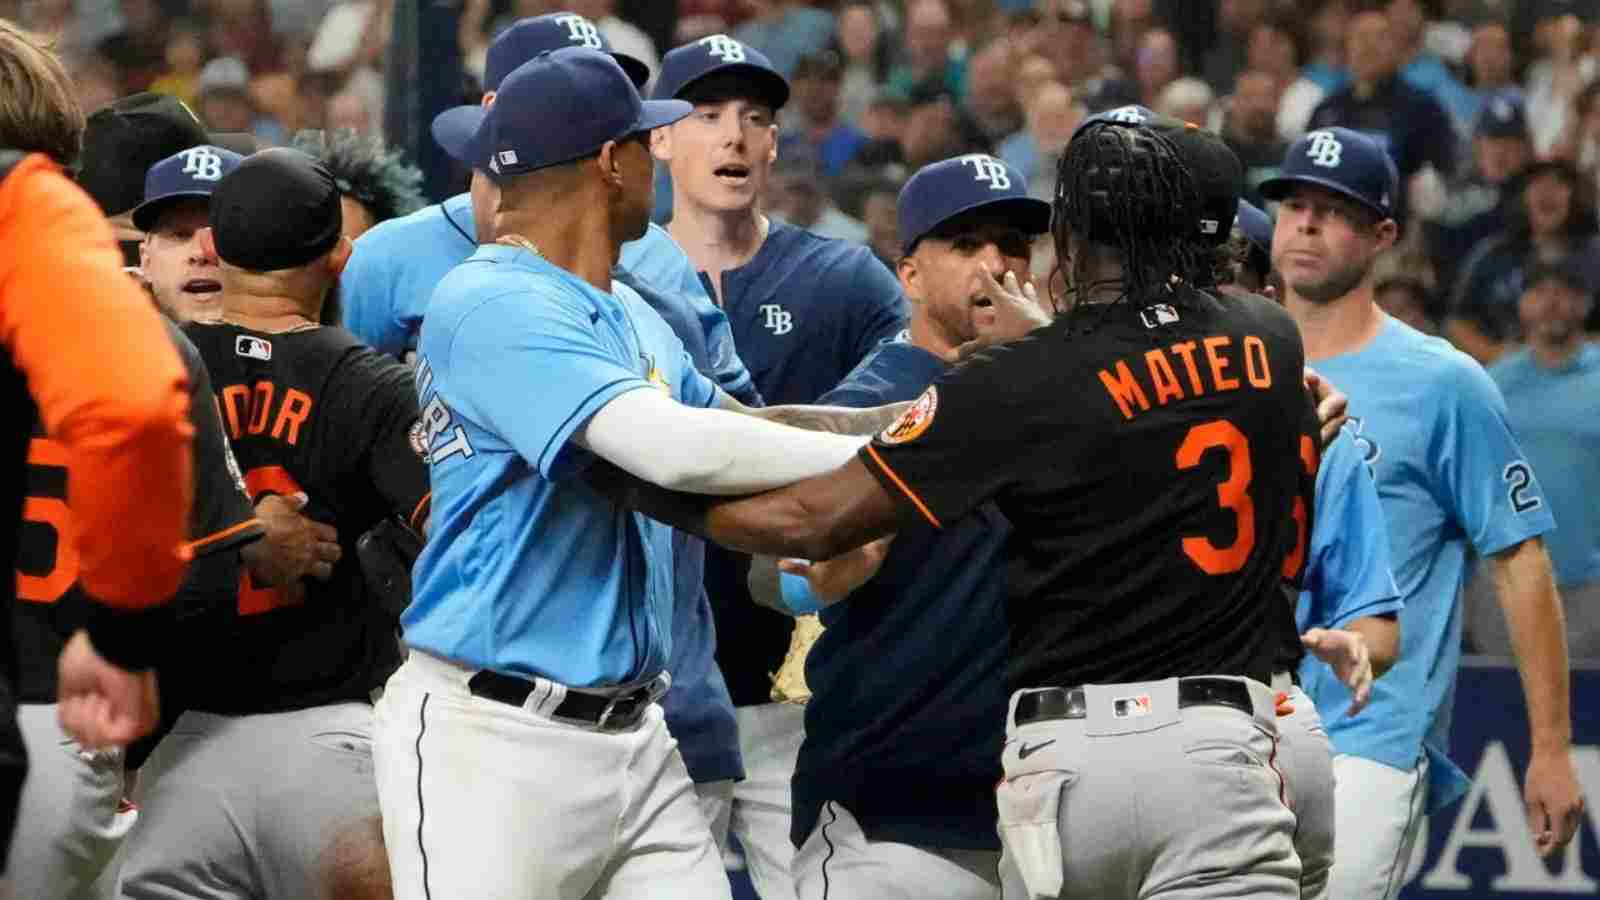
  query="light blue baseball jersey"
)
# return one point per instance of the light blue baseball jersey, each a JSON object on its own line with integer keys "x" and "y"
{"x": 1348, "y": 575}
{"x": 1556, "y": 415}
{"x": 526, "y": 571}
{"x": 1431, "y": 426}
{"x": 396, "y": 265}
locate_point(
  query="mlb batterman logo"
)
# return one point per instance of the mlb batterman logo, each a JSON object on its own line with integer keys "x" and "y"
{"x": 1133, "y": 707}
{"x": 252, "y": 347}
{"x": 914, "y": 421}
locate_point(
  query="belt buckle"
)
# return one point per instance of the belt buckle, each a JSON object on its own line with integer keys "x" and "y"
{"x": 605, "y": 714}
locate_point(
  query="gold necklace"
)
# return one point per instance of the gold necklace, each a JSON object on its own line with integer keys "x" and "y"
{"x": 517, "y": 240}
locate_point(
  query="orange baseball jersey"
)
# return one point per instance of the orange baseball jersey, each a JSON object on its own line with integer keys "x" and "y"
{"x": 84, "y": 351}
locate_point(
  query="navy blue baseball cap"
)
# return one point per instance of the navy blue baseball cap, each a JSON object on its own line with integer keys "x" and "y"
{"x": 530, "y": 37}
{"x": 719, "y": 54}
{"x": 1502, "y": 117}
{"x": 1343, "y": 161}
{"x": 557, "y": 107}
{"x": 940, "y": 191}
{"x": 186, "y": 175}
{"x": 1255, "y": 224}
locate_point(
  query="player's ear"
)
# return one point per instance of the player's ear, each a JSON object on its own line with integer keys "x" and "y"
{"x": 661, "y": 143}
{"x": 910, "y": 276}
{"x": 339, "y": 256}
{"x": 144, "y": 252}
{"x": 1388, "y": 233}
{"x": 609, "y": 162}
{"x": 772, "y": 155}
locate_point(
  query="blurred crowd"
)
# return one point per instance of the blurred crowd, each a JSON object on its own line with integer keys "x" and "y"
{"x": 1489, "y": 108}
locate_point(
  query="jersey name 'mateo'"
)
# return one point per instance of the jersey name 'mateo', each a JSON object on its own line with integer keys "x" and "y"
{"x": 1152, "y": 462}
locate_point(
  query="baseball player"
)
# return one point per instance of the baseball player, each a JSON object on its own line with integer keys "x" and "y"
{"x": 386, "y": 287}
{"x": 112, "y": 396}
{"x": 894, "y": 785}
{"x": 1348, "y": 586}
{"x": 174, "y": 267}
{"x": 376, "y": 184}
{"x": 1432, "y": 429}
{"x": 804, "y": 312}
{"x": 272, "y": 758}
{"x": 1144, "y": 565}
{"x": 540, "y": 622}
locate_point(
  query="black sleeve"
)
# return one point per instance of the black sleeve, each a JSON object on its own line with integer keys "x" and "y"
{"x": 383, "y": 411}
{"x": 222, "y": 517}
{"x": 958, "y": 445}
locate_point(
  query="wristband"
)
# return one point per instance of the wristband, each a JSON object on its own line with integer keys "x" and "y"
{"x": 798, "y": 597}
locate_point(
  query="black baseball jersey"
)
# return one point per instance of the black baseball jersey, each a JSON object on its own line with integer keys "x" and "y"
{"x": 317, "y": 412}
{"x": 1149, "y": 459}
{"x": 53, "y": 604}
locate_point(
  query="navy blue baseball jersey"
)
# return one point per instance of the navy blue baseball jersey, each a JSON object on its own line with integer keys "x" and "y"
{"x": 804, "y": 311}
{"x": 915, "y": 757}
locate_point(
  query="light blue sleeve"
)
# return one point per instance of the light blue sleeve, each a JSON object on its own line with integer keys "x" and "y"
{"x": 694, "y": 388}
{"x": 658, "y": 259}
{"x": 723, "y": 358}
{"x": 1481, "y": 475}
{"x": 368, "y": 289}
{"x": 1348, "y": 572}
{"x": 529, "y": 366}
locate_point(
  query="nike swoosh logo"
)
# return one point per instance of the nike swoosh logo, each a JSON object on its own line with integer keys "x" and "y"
{"x": 1025, "y": 751}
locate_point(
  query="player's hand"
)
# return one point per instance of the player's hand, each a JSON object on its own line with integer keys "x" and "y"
{"x": 1332, "y": 405}
{"x": 1346, "y": 652}
{"x": 834, "y": 579}
{"x": 294, "y": 546}
{"x": 101, "y": 704}
{"x": 1014, "y": 311}
{"x": 1553, "y": 798}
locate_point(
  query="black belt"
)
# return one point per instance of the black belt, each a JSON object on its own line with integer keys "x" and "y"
{"x": 612, "y": 713}
{"x": 1068, "y": 703}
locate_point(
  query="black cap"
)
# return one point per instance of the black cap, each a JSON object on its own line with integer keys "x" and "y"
{"x": 122, "y": 141}
{"x": 278, "y": 210}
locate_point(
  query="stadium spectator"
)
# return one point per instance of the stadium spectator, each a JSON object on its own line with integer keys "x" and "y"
{"x": 1549, "y": 220}
{"x": 864, "y": 45}
{"x": 1552, "y": 391}
{"x": 1406, "y": 122}
{"x": 1190, "y": 100}
{"x": 139, "y": 49}
{"x": 1226, "y": 58}
{"x": 1565, "y": 65}
{"x": 1406, "y": 298}
{"x": 1251, "y": 130}
{"x": 931, "y": 66}
{"x": 1156, "y": 65}
{"x": 184, "y": 56}
{"x": 883, "y": 228}
{"x": 1130, "y": 19}
{"x": 796, "y": 196}
{"x": 1329, "y": 22}
{"x": 813, "y": 120}
{"x": 785, "y": 31}
{"x": 1423, "y": 69}
{"x": 1052, "y": 115}
{"x": 1490, "y": 65}
{"x": 1473, "y": 205}
{"x": 991, "y": 100}
{"x": 1279, "y": 47}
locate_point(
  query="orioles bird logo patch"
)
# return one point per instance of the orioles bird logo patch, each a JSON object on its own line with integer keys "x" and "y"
{"x": 914, "y": 421}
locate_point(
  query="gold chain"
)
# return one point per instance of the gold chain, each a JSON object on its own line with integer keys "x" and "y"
{"x": 517, "y": 240}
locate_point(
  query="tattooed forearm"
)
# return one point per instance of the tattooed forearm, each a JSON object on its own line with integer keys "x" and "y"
{"x": 835, "y": 419}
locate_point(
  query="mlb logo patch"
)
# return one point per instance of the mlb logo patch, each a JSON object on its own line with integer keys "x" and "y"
{"x": 252, "y": 347}
{"x": 1157, "y": 315}
{"x": 1131, "y": 707}
{"x": 507, "y": 157}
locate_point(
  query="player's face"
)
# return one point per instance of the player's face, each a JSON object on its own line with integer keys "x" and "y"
{"x": 1552, "y": 312}
{"x": 721, "y": 155}
{"x": 637, "y": 195}
{"x": 181, "y": 273}
{"x": 941, "y": 276}
{"x": 1325, "y": 243}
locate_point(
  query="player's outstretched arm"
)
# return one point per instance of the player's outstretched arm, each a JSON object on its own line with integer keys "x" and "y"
{"x": 1527, "y": 590}
{"x": 707, "y": 451}
{"x": 832, "y": 419}
{"x": 819, "y": 518}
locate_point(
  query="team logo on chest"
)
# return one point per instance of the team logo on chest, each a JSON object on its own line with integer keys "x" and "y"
{"x": 202, "y": 164}
{"x": 724, "y": 48}
{"x": 778, "y": 320}
{"x": 581, "y": 31}
{"x": 987, "y": 168}
{"x": 1325, "y": 150}
{"x": 914, "y": 421}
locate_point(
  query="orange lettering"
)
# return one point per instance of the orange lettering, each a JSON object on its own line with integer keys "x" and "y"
{"x": 296, "y": 407}
{"x": 1124, "y": 389}
{"x": 261, "y": 406}
{"x": 235, "y": 397}
{"x": 1166, "y": 381}
{"x": 1293, "y": 563}
{"x": 255, "y": 599}
{"x": 1255, "y": 363}
{"x": 1218, "y": 364}
{"x": 1231, "y": 494}
{"x": 1186, "y": 350}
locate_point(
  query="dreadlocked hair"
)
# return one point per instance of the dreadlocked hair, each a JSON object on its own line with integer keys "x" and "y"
{"x": 1130, "y": 190}
{"x": 367, "y": 171}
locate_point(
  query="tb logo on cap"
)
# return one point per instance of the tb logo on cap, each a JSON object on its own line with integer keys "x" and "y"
{"x": 987, "y": 168}
{"x": 723, "y": 47}
{"x": 203, "y": 164}
{"x": 581, "y": 31}
{"x": 1127, "y": 114}
{"x": 1325, "y": 149}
